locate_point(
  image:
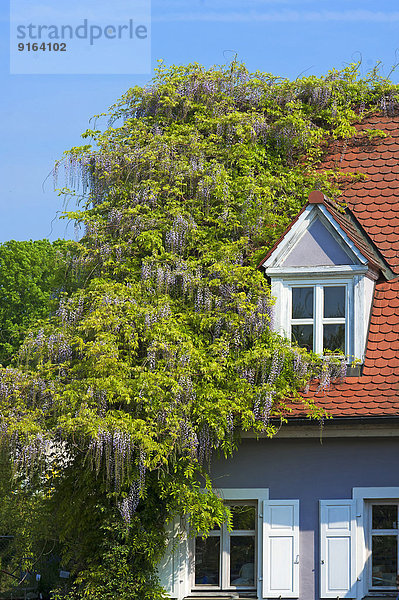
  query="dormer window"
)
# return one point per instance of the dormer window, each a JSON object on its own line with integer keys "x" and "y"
{"x": 318, "y": 317}
{"x": 322, "y": 273}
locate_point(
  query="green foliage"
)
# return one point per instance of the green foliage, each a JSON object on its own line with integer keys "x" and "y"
{"x": 165, "y": 353}
{"x": 27, "y": 538}
{"x": 31, "y": 275}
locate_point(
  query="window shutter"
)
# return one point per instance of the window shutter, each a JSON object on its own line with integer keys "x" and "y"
{"x": 173, "y": 568}
{"x": 281, "y": 549}
{"x": 337, "y": 549}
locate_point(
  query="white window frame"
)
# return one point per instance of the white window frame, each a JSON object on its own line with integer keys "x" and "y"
{"x": 282, "y": 289}
{"x": 358, "y": 277}
{"x": 242, "y": 495}
{"x": 370, "y": 533}
{"x": 357, "y": 310}
{"x": 318, "y": 320}
{"x": 225, "y": 545}
{"x": 365, "y": 497}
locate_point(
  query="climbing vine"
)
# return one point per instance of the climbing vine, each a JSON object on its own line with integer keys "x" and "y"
{"x": 166, "y": 351}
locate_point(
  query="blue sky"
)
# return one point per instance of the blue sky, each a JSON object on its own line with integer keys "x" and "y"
{"x": 43, "y": 115}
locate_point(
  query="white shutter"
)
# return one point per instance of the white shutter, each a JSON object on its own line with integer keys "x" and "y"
{"x": 338, "y": 548}
{"x": 173, "y": 568}
{"x": 281, "y": 549}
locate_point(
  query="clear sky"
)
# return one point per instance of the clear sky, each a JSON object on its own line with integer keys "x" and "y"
{"x": 43, "y": 115}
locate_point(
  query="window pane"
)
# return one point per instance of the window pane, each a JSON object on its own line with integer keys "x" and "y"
{"x": 385, "y": 516}
{"x": 334, "y": 337}
{"x": 243, "y": 516}
{"x": 303, "y": 336}
{"x": 334, "y": 301}
{"x": 207, "y": 560}
{"x": 384, "y": 560}
{"x": 242, "y": 560}
{"x": 302, "y": 303}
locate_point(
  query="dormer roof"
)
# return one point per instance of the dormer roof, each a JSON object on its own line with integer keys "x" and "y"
{"x": 354, "y": 240}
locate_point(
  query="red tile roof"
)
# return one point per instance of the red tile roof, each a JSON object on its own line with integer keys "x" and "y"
{"x": 376, "y": 391}
{"x": 358, "y": 237}
{"x": 375, "y": 200}
{"x": 375, "y": 203}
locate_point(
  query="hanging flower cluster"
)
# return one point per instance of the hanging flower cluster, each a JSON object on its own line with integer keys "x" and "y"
{"x": 115, "y": 451}
{"x": 70, "y": 311}
{"x": 167, "y": 350}
{"x": 55, "y": 347}
{"x": 175, "y": 239}
{"x": 127, "y": 506}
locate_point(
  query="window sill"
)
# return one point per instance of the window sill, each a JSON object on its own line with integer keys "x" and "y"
{"x": 383, "y": 595}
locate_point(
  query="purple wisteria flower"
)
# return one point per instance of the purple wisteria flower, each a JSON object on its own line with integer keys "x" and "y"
{"x": 127, "y": 506}
{"x": 207, "y": 442}
{"x": 276, "y": 367}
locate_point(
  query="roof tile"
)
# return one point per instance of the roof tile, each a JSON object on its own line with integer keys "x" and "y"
{"x": 374, "y": 202}
{"x": 378, "y": 208}
{"x": 376, "y": 391}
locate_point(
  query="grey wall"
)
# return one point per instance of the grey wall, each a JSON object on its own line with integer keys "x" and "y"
{"x": 317, "y": 247}
{"x": 306, "y": 470}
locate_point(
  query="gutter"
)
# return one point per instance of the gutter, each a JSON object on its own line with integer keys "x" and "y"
{"x": 355, "y": 420}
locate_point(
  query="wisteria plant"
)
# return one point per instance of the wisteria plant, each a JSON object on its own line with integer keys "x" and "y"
{"x": 166, "y": 352}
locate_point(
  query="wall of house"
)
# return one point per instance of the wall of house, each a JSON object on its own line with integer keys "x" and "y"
{"x": 309, "y": 471}
{"x": 317, "y": 247}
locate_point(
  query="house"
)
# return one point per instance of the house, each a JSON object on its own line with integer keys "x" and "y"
{"x": 316, "y": 514}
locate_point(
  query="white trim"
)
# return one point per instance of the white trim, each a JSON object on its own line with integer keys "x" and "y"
{"x": 312, "y": 212}
{"x": 361, "y": 258}
{"x": 329, "y": 430}
{"x": 290, "y": 239}
{"x": 242, "y": 493}
{"x": 378, "y": 493}
{"x": 327, "y": 271}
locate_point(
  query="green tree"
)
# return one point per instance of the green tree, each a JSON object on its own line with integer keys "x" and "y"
{"x": 165, "y": 352}
{"x": 32, "y": 274}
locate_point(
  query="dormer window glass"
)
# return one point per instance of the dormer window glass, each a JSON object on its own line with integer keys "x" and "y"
{"x": 302, "y": 327}
{"x": 318, "y": 317}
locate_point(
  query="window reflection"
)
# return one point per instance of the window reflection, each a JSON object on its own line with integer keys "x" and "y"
{"x": 334, "y": 301}
{"x": 334, "y": 337}
{"x": 302, "y": 303}
{"x": 207, "y": 561}
{"x": 384, "y": 560}
{"x": 242, "y": 560}
{"x": 303, "y": 336}
{"x": 243, "y": 516}
{"x": 385, "y": 516}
